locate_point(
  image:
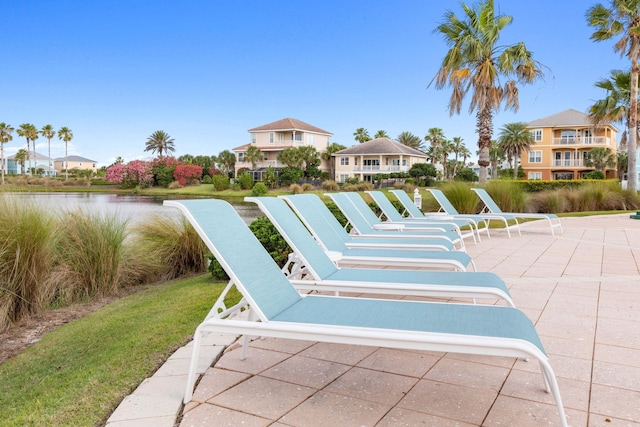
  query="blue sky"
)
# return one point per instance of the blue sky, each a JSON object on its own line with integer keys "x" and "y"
{"x": 206, "y": 71}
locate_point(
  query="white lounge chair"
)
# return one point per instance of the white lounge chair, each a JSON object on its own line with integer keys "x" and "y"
{"x": 321, "y": 273}
{"x": 276, "y": 309}
{"x": 492, "y": 207}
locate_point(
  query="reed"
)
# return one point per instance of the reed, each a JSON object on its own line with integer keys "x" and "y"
{"x": 27, "y": 241}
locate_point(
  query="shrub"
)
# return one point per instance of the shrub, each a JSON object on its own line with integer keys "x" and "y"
{"x": 169, "y": 248}
{"x": 295, "y": 188}
{"x": 245, "y": 179}
{"x": 207, "y": 179}
{"x": 335, "y": 210}
{"x": 187, "y": 174}
{"x": 289, "y": 175}
{"x": 466, "y": 175}
{"x": 134, "y": 174}
{"x": 220, "y": 182}
{"x": 308, "y": 187}
{"x": 90, "y": 255}
{"x": 174, "y": 184}
{"x": 52, "y": 183}
{"x": 259, "y": 189}
{"x": 163, "y": 174}
{"x": 594, "y": 175}
{"x": 364, "y": 186}
{"x": 330, "y": 186}
{"x": 27, "y": 242}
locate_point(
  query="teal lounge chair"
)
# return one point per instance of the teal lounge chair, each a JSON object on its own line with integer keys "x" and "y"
{"x": 492, "y": 207}
{"x": 360, "y": 216}
{"x": 309, "y": 209}
{"x": 322, "y": 274}
{"x": 447, "y": 207}
{"x": 272, "y": 307}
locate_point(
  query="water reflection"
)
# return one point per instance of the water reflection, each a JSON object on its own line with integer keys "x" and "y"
{"x": 135, "y": 209}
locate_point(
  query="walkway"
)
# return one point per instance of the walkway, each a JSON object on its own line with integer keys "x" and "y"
{"x": 581, "y": 289}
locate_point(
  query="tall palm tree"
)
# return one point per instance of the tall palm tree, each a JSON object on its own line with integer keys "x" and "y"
{"x": 615, "y": 106}
{"x": 21, "y": 157}
{"x": 434, "y": 136}
{"x": 253, "y": 155}
{"x": 381, "y": 134}
{"x": 48, "y": 132}
{"x": 361, "y": 135}
{"x": 476, "y": 62}
{"x": 496, "y": 156}
{"x": 6, "y": 132}
{"x": 227, "y": 162}
{"x": 457, "y": 144}
{"x": 160, "y": 142}
{"x": 328, "y": 156}
{"x": 446, "y": 148}
{"x": 622, "y": 19}
{"x": 514, "y": 138}
{"x": 29, "y": 132}
{"x": 65, "y": 134}
{"x": 410, "y": 140}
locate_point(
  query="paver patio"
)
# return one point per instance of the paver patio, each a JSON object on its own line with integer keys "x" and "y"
{"x": 582, "y": 291}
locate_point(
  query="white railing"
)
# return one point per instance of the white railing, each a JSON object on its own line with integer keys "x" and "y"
{"x": 377, "y": 168}
{"x": 580, "y": 140}
{"x": 569, "y": 163}
{"x": 260, "y": 164}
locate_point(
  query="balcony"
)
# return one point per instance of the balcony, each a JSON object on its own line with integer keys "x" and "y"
{"x": 380, "y": 169}
{"x": 589, "y": 140}
{"x": 572, "y": 163}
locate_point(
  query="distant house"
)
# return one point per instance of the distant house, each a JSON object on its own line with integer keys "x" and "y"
{"x": 274, "y": 137}
{"x": 380, "y": 155}
{"x": 40, "y": 162}
{"x": 75, "y": 162}
{"x": 561, "y": 144}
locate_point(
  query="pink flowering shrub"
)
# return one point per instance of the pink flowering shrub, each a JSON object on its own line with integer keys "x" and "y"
{"x": 187, "y": 174}
{"x": 134, "y": 174}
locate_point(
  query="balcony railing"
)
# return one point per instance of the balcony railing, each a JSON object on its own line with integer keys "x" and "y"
{"x": 576, "y": 163}
{"x": 578, "y": 140}
{"x": 378, "y": 168}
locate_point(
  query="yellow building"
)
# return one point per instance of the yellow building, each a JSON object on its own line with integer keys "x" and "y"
{"x": 74, "y": 162}
{"x": 561, "y": 144}
{"x": 380, "y": 155}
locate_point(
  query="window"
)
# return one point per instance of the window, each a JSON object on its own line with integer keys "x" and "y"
{"x": 270, "y": 137}
{"x": 537, "y": 135}
{"x": 253, "y": 138}
{"x": 298, "y": 137}
{"x": 265, "y": 156}
{"x": 404, "y": 162}
{"x": 343, "y": 177}
{"x": 535, "y": 156}
{"x": 241, "y": 157}
{"x": 535, "y": 175}
{"x": 310, "y": 139}
{"x": 344, "y": 161}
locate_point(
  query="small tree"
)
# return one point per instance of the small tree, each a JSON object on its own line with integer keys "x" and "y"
{"x": 187, "y": 174}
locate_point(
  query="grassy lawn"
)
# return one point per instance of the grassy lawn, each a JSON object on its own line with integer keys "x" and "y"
{"x": 79, "y": 373}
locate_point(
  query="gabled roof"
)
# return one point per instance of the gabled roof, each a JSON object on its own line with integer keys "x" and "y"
{"x": 37, "y": 157}
{"x": 380, "y": 146}
{"x": 566, "y": 118}
{"x": 74, "y": 159}
{"x": 289, "y": 124}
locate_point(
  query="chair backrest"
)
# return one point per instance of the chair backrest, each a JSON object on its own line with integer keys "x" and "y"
{"x": 406, "y": 201}
{"x": 361, "y": 221}
{"x": 297, "y": 236}
{"x": 487, "y": 200}
{"x": 317, "y": 217}
{"x": 240, "y": 254}
{"x": 386, "y": 206}
{"x": 443, "y": 201}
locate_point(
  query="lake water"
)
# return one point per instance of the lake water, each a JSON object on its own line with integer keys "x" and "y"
{"x": 135, "y": 209}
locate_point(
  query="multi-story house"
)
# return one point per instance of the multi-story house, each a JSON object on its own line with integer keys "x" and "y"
{"x": 562, "y": 143}
{"x": 377, "y": 156}
{"x": 271, "y": 139}
{"x": 75, "y": 162}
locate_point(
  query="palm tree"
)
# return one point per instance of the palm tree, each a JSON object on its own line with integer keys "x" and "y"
{"x": 476, "y": 62}
{"x": 6, "y": 132}
{"x": 381, "y": 134}
{"x": 514, "y": 138}
{"x": 160, "y": 142}
{"x": 29, "y": 132}
{"x": 457, "y": 144}
{"x": 622, "y": 160}
{"x": 622, "y": 19}
{"x": 600, "y": 158}
{"x": 48, "y": 132}
{"x": 410, "y": 140}
{"x": 253, "y": 155}
{"x": 615, "y": 106}
{"x": 496, "y": 156}
{"x": 361, "y": 135}
{"x": 227, "y": 161}
{"x": 446, "y": 148}
{"x": 328, "y": 156}
{"x": 434, "y": 136}
{"x": 291, "y": 157}
{"x": 65, "y": 134}
{"x": 21, "y": 157}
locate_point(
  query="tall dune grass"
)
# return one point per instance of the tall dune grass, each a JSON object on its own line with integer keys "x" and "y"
{"x": 27, "y": 241}
{"x": 461, "y": 197}
{"x": 508, "y": 195}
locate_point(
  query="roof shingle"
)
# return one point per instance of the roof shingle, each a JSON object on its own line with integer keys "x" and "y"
{"x": 380, "y": 146}
{"x": 289, "y": 124}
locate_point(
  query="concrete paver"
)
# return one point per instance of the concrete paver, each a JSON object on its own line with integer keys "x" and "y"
{"x": 581, "y": 289}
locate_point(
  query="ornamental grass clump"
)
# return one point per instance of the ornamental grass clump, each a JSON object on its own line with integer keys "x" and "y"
{"x": 461, "y": 197}
{"x": 27, "y": 241}
{"x": 507, "y": 195}
{"x": 169, "y": 248}
{"x": 90, "y": 255}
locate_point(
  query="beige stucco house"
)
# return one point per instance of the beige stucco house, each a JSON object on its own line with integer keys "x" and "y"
{"x": 274, "y": 137}
{"x": 561, "y": 144}
{"x": 74, "y": 162}
{"x": 377, "y": 156}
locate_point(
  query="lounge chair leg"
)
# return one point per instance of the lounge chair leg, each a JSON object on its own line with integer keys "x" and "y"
{"x": 245, "y": 338}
